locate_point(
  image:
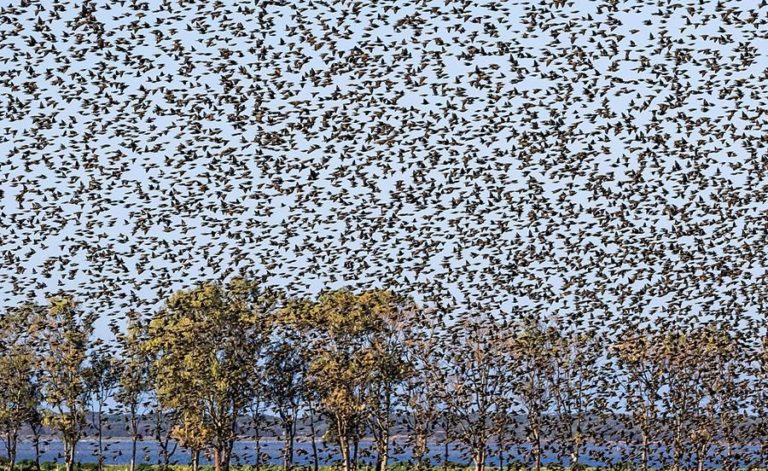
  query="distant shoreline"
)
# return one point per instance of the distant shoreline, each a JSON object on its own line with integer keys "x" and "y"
{"x": 249, "y": 439}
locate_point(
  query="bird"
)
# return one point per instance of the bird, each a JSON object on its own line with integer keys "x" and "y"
{"x": 579, "y": 162}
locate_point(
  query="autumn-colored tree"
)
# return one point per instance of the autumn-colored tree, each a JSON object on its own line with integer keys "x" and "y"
{"x": 532, "y": 354}
{"x": 164, "y": 417}
{"x": 476, "y": 382}
{"x": 32, "y": 321}
{"x": 283, "y": 385}
{"x": 204, "y": 343}
{"x": 132, "y": 380}
{"x": 68, "y": 331}
{"x": 337, "y": 377}
{"x": 682, "y": 394}
{"x": 390, "y": 369}
{"x": 639, "y": 381}
{"x": 576, "y": 385}
{"x": 19, "y": 396}
{"x": 101, "y": 378}
{"x": 309, "y": 396}
{"x": 192, "y": 433}
{"x": 350, "y": 332}
{"x": 419, "y": 398}
{"x": 723, "y": 382}
{"x": 757, "y": 359}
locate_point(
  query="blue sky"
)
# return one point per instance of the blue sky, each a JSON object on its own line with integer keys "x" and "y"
{"x": 468, "y": 153}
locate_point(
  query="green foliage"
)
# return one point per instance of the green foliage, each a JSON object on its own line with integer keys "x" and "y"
{"x": 213, "y": 351}
{"x": 356, "y": 361}
{"x": 67, "y": 331}
{"x": 204, "y": 345}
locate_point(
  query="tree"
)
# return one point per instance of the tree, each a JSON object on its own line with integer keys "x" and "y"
{"x": 389, "y": 367}
{"x": 350, "y": 333}
{"x": 758, "y": 399}
{"x": 204, "y": 343}
{"x": 283, "y": 385}
{"x": 723, "y": 382}
{"x": 68, "y": 331}
{"x": 532, "y": 354}
{"x": 311, "y": 400}
{"x": 640, "y": 384}
{"x": 192, "y": 433}
{"x": 35, "y": 422}
{"x": 163, "y": 425}
{"x": 419, "y": 400}
{"x": 682, "y": 395}
{"x": 476, "y": 382}
{"x": 257, "y": 418}
{"x": 576, "y": 387}
{"x": 101, "y": 378}
{"x": 19, "y": 397}
{"x": 132, "y": 381}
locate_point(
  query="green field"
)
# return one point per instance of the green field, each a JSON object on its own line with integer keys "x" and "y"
{"x": 26, "y": 465}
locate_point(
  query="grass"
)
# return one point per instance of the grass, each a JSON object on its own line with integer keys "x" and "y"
{"x": 27, "y": 465}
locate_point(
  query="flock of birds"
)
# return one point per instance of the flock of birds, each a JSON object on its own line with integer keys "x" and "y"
{"x": 592, "y": 159}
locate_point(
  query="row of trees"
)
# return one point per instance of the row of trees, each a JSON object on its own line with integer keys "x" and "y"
{"x": 371, "y": 364}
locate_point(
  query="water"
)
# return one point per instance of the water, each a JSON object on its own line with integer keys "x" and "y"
{"x": 118, "y": 452}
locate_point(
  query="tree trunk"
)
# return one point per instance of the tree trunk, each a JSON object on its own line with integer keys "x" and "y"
{"x": 167, "y": 453}
{"x": 419, "y": 450}
{"x": 258, "y": 444}
{"x": 165, "y": 459}
{"x": 195, "y": 460}
{"x": 644, "y": 453}
{"x": 344, "y": 449}
{"x": 162, "y": 437}
{"x": 10, "y": 446}
{"x": 537, "y": 453}
{"x": 288, "y": 434}
{"x": 677, "y": 441}
{"x": 36, "y": 445}
{"x": 382, "y": 451}
{"x": 228, "y": 454}
{"x": 478, "y": 456}
{"x": 69, "y": 460}
{"x": 216, "y": 459}
{"x": 382, "y": 461}
{"x": 134, "y": 425}
{"x": 575, "y": 454}
{"x": 221, "y": 457}
{"x": 99, "y": 432}
{"x": 355, "y": 448}
{"x": 315, "y": 460}
{"x": 133, "y": 453}
{"x": 574, "y": 460}
{"x": 445, "y": 455}
{"x": 728, "y": 461}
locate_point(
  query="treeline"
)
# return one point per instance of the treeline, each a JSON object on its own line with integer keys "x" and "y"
{"x": 368, "y": 363}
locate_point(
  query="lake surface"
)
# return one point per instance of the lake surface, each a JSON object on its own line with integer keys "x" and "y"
{"x": 118, "y": 452}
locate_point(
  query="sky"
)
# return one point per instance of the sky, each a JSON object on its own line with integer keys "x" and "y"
{"x": 596, "y": 160}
